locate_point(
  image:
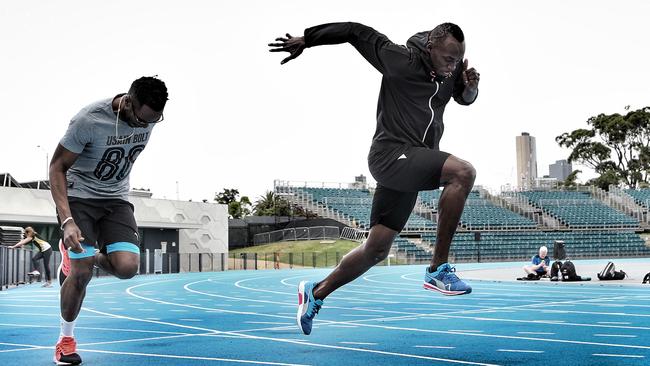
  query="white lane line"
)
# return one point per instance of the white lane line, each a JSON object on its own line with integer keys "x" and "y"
{"x": 519, "y": 351}
{"x": 57, "y": 315}
{"x": 292, "y": 305}
{"x": 496, "y": 336}
{"x": 190, "y": 320}
{"x": 435, "y": 347}
{"x": 358, "y": 315}
{"x": 612, "y": 355}
{"x": 360, "y": 343}
{"x": 337, "y": 297}
{"x": 616, "y": 323}
{"x": 189, "y": 357}
{"x": 320, "y": 345}
{"x": 465, "y": 330}
{"x": 546, "y": 340}
{"x": 89, "y": 328}
{"x": 30, "y": 300}
{"x": 397, "y": 319}
{"x": 537, "y": 333}
{"x": 270, "y": 323}
{"x": 517, "y": 307}
{"x": 341, "y": 326}
{"x": 19, "y": 349}
{"x": 138, "y": 339}
{"x": 282, "y": 340}
{"x": 590, "y": 313}
{"x": 29, "y": 306}
{"x": 448, "y": 316}
{"x": 29, "y": 346}
{"x": 615, "y": 335}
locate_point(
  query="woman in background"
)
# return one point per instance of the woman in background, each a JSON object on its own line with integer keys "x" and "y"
{"x": 44, "y": 252}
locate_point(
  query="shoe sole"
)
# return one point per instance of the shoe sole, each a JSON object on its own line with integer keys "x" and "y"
{"x": 430, "y": 287}
{"x": 301, "y": 304}
{"x": 65, "y": 363}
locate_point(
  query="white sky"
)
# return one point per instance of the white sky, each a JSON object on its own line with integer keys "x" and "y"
{"x": 238, "y": 119}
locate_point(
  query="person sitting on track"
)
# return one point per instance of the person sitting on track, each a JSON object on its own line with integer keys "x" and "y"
{"x": 540, "y": 265}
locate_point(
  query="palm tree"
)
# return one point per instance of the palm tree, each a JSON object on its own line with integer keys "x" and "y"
{"x": 271, "y": 205}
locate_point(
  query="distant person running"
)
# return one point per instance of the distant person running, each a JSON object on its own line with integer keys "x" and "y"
{"x": 44, "y": 253}
{"x": 89, "y": 176}
{"x": 418, "y": 81}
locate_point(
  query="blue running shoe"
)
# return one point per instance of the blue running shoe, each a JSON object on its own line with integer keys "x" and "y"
{"x": 445, "y": 281}
{"x": 307, "y": 306}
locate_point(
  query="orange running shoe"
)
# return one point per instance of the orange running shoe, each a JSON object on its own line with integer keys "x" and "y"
{"x": 65, "y": 352}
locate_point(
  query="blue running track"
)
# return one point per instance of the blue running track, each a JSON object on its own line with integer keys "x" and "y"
{"x": 383, "y": 318}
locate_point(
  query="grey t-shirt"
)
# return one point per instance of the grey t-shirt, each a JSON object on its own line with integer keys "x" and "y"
{"x": 105, "y": 159}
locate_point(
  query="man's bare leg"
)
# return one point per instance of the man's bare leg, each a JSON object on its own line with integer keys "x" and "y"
{"x": 458, "y": 178}
{"x": 358, "y": 261}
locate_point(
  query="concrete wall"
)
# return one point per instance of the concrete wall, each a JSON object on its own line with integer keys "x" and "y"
{"x": 202, "y": 227}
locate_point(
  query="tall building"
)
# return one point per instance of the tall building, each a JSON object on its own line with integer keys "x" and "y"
{"x": 526, "y": 161}
{"x": 560, "y": 170}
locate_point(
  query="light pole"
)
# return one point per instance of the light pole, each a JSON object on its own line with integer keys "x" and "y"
{"x": 47, "y": 161}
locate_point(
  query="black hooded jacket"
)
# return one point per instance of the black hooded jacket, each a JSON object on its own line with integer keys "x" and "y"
{"x": 410, "y": 105}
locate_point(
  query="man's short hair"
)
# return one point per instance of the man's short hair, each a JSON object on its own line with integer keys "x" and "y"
{"x": 151, "y": 91}
{"x": 543, "y": 248}
{"x": 446, "y": 29}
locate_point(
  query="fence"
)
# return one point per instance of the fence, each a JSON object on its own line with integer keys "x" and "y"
{"x": 263, "y": 260}
{"x": 354, "y": 234}
{"x": 299, "y": 233}
{"x": 16, "y": 263}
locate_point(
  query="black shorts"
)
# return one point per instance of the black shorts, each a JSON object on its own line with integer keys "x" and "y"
{"x": 104, "y": 221}
{"x": 401, "y": 172}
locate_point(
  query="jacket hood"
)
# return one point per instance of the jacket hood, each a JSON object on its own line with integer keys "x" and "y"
{"x": 419, "y": 42}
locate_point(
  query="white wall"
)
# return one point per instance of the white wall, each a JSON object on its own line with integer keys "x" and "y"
{"x": 203, "y": 227}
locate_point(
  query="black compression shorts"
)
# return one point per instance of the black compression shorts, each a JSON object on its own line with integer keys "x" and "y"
{"x": 401, "y": 172}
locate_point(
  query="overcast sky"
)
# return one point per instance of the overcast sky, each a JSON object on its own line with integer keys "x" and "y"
{"x": 238, "y": 119}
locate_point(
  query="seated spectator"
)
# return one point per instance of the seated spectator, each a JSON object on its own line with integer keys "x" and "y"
{"x": 540, "y": 266}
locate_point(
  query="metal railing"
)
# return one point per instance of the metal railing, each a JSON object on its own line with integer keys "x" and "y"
{"x": 264, "y": 260}
{"x": 298, "y": 233}
{"x": 354, "y": 234}
{"x": 16, "y": 263}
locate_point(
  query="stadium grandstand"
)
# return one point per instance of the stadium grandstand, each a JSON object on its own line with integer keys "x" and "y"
{"x": 509, "y": 226}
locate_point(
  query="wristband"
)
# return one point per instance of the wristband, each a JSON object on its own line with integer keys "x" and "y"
{"x": 66, "y": 221}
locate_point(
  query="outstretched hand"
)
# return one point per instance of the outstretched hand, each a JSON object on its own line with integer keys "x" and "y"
{"x": 293, "y": 45}
{"x": 471, "y": 77}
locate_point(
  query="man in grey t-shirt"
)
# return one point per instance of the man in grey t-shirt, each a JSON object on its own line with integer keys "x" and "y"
{"x": 89, "y": 176}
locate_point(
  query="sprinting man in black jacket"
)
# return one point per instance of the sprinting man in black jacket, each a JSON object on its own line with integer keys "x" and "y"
{"x": 418, "y": 81}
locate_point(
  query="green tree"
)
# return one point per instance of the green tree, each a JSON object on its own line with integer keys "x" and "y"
{"x": 570, "y": 180}
{"x": 270, "y": 204}
{"x": 237, "y": 208}
{"x": 616, "y": 146}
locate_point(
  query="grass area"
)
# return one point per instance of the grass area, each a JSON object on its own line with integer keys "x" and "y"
{"x": 322, "y": 252}
{"x": 319, "y": 246}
